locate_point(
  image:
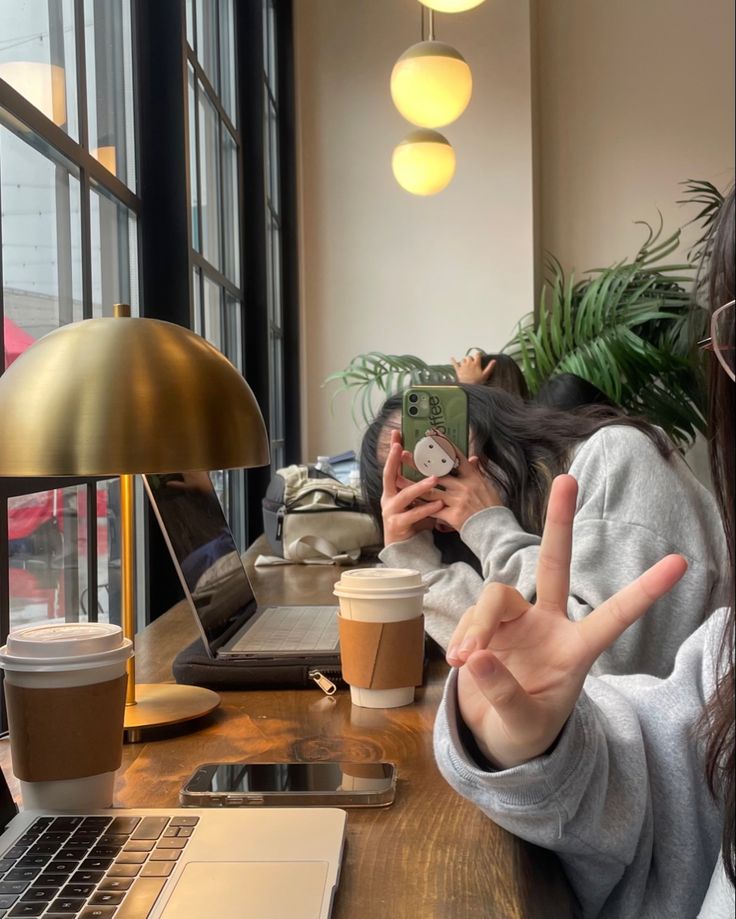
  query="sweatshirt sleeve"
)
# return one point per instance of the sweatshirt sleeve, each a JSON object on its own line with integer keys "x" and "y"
{"x": 622, "y": 798}
{"x": 451, "y": 588}
{"x": 634, "y": 508}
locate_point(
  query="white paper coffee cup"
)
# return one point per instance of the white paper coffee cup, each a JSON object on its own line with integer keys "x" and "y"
{"x": 380, "y": 595}
{"x": 63, "y": 656}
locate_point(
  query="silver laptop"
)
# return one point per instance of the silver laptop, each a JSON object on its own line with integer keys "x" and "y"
{"x": 187, "y": 863}
{"x": 216, "y": 584}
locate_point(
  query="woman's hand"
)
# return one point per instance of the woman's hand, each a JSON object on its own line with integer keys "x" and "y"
{"x": 465, "y": 493}
{"x": 404, "y": 505}
{"x": 522, "y": 665}
{"x": 469, "y": 370}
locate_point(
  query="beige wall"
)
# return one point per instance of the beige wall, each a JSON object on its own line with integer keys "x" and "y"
{"x": 381, "y": 269}
{"x": 633, "y": 98}
{"x": 629, "y": 98}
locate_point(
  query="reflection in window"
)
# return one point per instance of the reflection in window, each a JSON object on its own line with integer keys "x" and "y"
{"x": 214, "y": 197}
{"x": 114, "y": 254}
{"x": 107, "y": 33}
{"x": 209, "y": 179}
{"x": 212, "y": 314}
{"x": 47, "y": 545}
{"x": 41, "y": 244}
{"x": 38, "y": 57}
{"x": 231, "y": 207}
{"x": 272, "y": 196}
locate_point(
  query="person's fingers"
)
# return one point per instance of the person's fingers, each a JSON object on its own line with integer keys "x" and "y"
{"x": 455, "y": 363}
{"x": 497, "y": 603}
{"x": 553, "y": 565}
{"x": 513, "y": 705}
{"x": 396, "y": 436}
{"x": 606, "y": 623}
{"x": 408, "y": 459}
{"x": 486, "y": 375}
{"x": 419, "y": 512}
{"x": 415, "y": 491}
{"x": 391, "y": 469}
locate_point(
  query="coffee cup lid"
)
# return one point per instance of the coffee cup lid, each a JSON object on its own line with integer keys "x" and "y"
{"x": 59, "y": 640}
{"x": 379, "y": 578}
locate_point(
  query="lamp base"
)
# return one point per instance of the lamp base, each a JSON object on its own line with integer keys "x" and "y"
{"x": 159, "y": 705}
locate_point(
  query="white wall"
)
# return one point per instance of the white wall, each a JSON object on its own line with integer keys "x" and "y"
{"x": 633, "y": 98}
{"x": 381, "y": 269}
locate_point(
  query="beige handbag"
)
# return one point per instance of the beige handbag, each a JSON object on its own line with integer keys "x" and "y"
{"x": 309, "y": 515}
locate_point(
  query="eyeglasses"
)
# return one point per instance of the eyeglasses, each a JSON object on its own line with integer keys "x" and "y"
{"x": 721, "y": 340}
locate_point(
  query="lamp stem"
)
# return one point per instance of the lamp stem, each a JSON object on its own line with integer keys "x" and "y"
{"x": 430, "y": 26}
{"x": 127, "y": 579}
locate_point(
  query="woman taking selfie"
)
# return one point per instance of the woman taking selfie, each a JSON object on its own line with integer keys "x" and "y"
{"x": 629, "y": 779}
{"x": 637, "y": 501}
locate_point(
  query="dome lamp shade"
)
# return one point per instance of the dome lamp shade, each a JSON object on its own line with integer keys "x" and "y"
{"x": 451, "y": 6}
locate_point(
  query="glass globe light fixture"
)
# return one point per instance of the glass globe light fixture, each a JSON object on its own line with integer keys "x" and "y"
{"x": 431, "y": 84}
{"x": 451, "y": 6}
{"x": 423, "y": 163}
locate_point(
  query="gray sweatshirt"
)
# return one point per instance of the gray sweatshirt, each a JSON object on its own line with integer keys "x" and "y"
{"x": 634, "y": 507}
{"x": 622, "y": 798}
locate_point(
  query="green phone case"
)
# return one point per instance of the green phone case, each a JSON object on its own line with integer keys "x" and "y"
{"x": 439, "y": 408}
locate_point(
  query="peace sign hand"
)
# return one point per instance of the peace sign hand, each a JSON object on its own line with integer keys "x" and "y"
{"x": 522, "y": 665}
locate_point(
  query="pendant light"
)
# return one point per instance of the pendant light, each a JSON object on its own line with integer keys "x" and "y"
{"x": 431, "y": 83}
{"x": 423, "y": 163}
{"x": 451, "y": 6}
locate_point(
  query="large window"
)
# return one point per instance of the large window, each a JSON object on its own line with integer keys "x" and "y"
{"x": 69, "y": 247}
{"x": 215, "y": 200}
{"x": 144, "y": 159}
{"x": 274, "y": 244}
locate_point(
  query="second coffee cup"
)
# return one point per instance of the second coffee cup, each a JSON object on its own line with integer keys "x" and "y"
{"x": 381, "y": 634}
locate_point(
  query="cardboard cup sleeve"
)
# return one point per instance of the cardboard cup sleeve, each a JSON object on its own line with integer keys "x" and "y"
{"x": 66, "y": 733}
{"x": 382, "y": 655}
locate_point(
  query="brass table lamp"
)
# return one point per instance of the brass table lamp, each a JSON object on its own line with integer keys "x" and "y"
{"x": 116, "y": 397}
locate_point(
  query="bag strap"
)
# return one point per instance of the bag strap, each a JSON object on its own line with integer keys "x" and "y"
{"x": 305, "y": 547}
{"x": 342, "y": 494}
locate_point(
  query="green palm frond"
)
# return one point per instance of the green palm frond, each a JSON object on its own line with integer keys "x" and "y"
{"x": 628, "y": 330}
{"x": 375, "y": 376}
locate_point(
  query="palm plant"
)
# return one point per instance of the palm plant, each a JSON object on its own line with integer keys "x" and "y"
{"x": 375, "y": 376}
{"x": 628, "y": 329}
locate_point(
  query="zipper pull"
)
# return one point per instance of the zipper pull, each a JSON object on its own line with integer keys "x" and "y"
{"x": 327, "y": 686}
{"x": 279, "y": 524}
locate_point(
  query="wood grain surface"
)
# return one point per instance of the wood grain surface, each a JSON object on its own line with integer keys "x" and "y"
{"x": 430, "y": 855}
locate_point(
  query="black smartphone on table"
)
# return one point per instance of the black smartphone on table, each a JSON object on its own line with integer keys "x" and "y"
{"x": 441, "y": 408}
{"x": 291, "y": 784}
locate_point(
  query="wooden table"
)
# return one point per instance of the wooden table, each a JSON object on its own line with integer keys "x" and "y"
{"x": 431, "y": 855}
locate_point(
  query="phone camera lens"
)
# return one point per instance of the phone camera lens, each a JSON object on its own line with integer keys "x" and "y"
{"x": 413, "y": 410}
{"x": 413, "y": 397}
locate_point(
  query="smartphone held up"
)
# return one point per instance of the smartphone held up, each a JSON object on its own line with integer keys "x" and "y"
{"x": 434, "y": 421}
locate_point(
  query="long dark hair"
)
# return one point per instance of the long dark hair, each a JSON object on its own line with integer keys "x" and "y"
{"x": 507, "y": 375}
{"x": 718, "y": 722}
{"x": 568, "y": 391}
{"x": 521, "y": 446}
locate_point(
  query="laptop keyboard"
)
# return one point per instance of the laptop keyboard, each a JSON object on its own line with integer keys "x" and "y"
{"x": 91, "y": 867}
{"x": 292, "y": 628}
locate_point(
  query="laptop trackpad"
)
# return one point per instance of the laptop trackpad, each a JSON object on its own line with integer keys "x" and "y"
{"x": 256, "y": 890}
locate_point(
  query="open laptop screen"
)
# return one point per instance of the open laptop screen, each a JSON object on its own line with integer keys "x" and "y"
{"x": 204, "y": 552}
